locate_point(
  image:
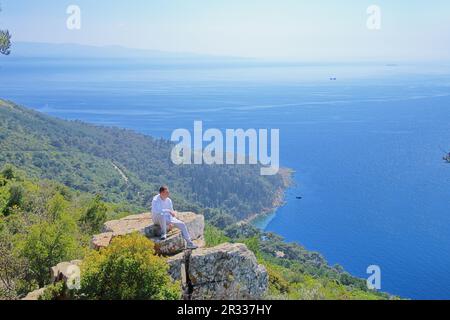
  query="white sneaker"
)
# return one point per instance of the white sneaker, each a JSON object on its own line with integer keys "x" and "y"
{"x": 192, "y": 246}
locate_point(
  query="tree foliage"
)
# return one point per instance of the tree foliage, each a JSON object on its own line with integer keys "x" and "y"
{"x": 12, "y": 267}
{"x": 94, "y": 216}
{"x": 127, "y": 270}
{"x": 214, "y": 236}
{"x": 5, "y": 41}
{"x": 47, "y": 244}
{"x": 42, "y": 225}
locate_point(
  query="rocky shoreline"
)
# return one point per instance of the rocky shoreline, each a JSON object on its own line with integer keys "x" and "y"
{"x": 279, "y": 199}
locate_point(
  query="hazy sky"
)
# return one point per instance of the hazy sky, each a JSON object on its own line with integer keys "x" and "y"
{"x": 295, "y": 29}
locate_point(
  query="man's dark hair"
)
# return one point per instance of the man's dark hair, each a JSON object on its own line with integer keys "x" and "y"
{"x": 163, "y": 188}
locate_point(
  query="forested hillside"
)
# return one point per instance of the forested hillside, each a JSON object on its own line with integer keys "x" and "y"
{"x": 121, "y": 165}
{"x": 43, "y": 222}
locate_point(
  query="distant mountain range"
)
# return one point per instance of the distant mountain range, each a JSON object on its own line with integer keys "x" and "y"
{"x": 67, "y": 50}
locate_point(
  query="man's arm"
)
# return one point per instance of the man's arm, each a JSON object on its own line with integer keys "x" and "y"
{"x": 156, "y": 207}
{"x": 172, "y": 212}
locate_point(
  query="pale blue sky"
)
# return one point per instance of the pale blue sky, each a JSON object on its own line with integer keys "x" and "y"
{"x": 327, "y": 30}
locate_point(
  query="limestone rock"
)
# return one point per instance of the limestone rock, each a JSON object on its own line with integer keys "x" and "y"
{"x": 101, "y": 240}
{"x": 172, "y": 245}
{"x": 226, "y": 272}
{"x": 177, "y": 267}
{"x": 127, "y": 225}
{"x": 143, "y": 224}
{"x": 35, "y": 295}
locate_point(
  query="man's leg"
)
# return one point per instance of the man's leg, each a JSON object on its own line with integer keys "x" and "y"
{"x": 184, "y": 231}
{"x": 161, "y": 221}
{"x": 182, "y": 226}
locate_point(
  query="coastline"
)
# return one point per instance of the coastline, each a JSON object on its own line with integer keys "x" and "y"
{"x": 279, "y": 200}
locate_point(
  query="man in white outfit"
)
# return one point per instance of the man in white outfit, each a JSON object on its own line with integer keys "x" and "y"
{"x": 164, "y": 216}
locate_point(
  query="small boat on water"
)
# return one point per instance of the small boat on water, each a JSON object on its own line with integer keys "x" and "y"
{"x": 299, "y": 198}
{"x": 447, "y": 158}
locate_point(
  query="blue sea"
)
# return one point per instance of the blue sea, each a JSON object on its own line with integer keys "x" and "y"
{"x": 366, "y": 149}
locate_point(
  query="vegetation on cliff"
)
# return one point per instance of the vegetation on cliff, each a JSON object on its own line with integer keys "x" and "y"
{"x": 127, "y": 269}
{"x": 41, "y": 224}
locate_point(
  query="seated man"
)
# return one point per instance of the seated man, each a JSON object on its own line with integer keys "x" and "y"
{"x": 164, "y": 215}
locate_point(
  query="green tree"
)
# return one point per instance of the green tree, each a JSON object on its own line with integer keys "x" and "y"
{"x": 95, "y": 216}
{"x": 12, "y": 268}
{"x": 5, "y": 41}
{"x": 214, "y": 236}
{"x": 8, "y": 172}
{"x": 253, "y": 244}
{"x": 127, "y": 270}
{"x": 46, "y": 244}
{"x": 56, "y": 207}
{"x": 16, "y": 195}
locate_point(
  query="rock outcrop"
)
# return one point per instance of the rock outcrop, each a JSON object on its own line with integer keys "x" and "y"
{"x": 67, "y": 272}
{"x": 226, "y": 272}
{"x": 35, "y": 295}
{"x": 143, "y": 224}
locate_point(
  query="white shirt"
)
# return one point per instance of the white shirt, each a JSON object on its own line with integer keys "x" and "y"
{"x": 160, "y": 206}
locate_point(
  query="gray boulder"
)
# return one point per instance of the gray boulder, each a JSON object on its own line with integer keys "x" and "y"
{"x": 226, "y": 272}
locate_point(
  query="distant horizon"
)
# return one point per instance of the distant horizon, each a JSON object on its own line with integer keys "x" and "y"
{"x": 171, "y": 54}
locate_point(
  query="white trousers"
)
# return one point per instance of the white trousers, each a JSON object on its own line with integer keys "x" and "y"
{"x": 164, "y": 219}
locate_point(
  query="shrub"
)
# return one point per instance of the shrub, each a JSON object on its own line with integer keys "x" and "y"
{"x": 11, "y": 267}
{"x": 46, "y": 245}
{"x": 253, "y": 245}
{"x": 8, "y": 172}
{"x": 127, "y": 270}
{"x": 214, "y": 236}
{"x": 16, "y": 195}
{"x": 53, "y": 292}
{"x": 278, "y": 286}
{"x": 95, "y": 216}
